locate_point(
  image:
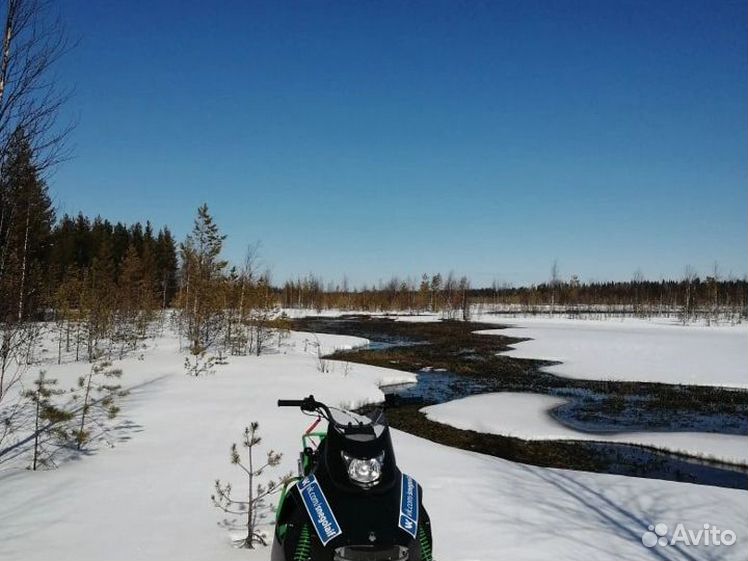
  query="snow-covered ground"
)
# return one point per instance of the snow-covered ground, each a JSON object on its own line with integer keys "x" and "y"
{"x": 527, "y": 416}
{"x": 148, "y": 497}
{"x": 633, "y": 349}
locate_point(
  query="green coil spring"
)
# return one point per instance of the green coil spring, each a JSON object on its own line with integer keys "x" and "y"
{"x": 425, "y": 545}
{"x": 304, "y": 545}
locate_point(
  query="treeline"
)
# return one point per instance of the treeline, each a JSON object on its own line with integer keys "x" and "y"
{"x": 102, "y": 283}
{"x": 108, "y": 281}
{"x": 691, "y": 297}
{"x": 47, "y": 264}
{"x": 79, "y": 245}
{"x": 447, "y": 294}
{"x": 97, "y": 283}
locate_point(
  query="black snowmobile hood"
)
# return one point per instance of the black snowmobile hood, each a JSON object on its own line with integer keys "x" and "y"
{"x": 358, "y": 441}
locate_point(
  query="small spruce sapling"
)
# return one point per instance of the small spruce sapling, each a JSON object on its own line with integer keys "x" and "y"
{"x": 98, "y": 396}
{"x": 255, "y": 506}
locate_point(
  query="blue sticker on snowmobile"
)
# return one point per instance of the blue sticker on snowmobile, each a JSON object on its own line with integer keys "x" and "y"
{"x": 318, "y": 509}
{"x": 409, "y": 505}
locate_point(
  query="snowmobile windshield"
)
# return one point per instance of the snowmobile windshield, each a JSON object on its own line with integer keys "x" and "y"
{"x": 361, "y": 428}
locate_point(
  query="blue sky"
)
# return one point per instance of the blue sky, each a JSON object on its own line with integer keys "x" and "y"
{"x": 380, "y": 138}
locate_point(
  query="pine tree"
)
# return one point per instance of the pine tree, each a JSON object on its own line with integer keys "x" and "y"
{"x": 120, "y": 243}
{"x": 132, "y": 303}
{"x": 424, "y": 292}
{"x": 25, "y": 224}
{"x": 97, "y": 397}
{"x": 49, "y": 419}
{"x": 26, "y": 218}
{"x": 82, "y": 242}
{"x": 62, "y": 249}
{"x": 98, "y": 300}
{"x": 202, "y": 282}
{"x": 263, "y": 311}
{"x": 66, "y": 300}
{"x": 166, "y": 266}
{"x": 254, "y": 508}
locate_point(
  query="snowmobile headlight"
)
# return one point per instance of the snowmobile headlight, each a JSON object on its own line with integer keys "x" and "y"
{"x": 364, "y": 471}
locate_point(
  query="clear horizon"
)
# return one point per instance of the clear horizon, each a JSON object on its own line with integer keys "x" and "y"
{"x": 373, "y": 140}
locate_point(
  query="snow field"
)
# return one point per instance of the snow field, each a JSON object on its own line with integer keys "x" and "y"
{"x": 632, "y": 349}
{"x": 148, "y": 497}
{"x": 527, "y": 416}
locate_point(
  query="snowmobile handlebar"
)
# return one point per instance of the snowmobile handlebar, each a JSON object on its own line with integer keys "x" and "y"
{"x": 308, "y": 404}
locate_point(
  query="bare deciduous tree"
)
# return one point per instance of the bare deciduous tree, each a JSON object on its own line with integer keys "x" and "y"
{"x": 30, "y": 99}
{"x": 465, "y": 298}
{"x": 555, "y": 281}
{"x": 689, "y": 276}
{"x": 34, "y": 39}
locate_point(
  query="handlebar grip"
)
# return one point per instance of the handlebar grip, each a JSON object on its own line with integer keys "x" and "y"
{"x": 290, "y": 402}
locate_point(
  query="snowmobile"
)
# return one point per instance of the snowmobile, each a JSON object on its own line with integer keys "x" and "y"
{"x": 350, "y": 502}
